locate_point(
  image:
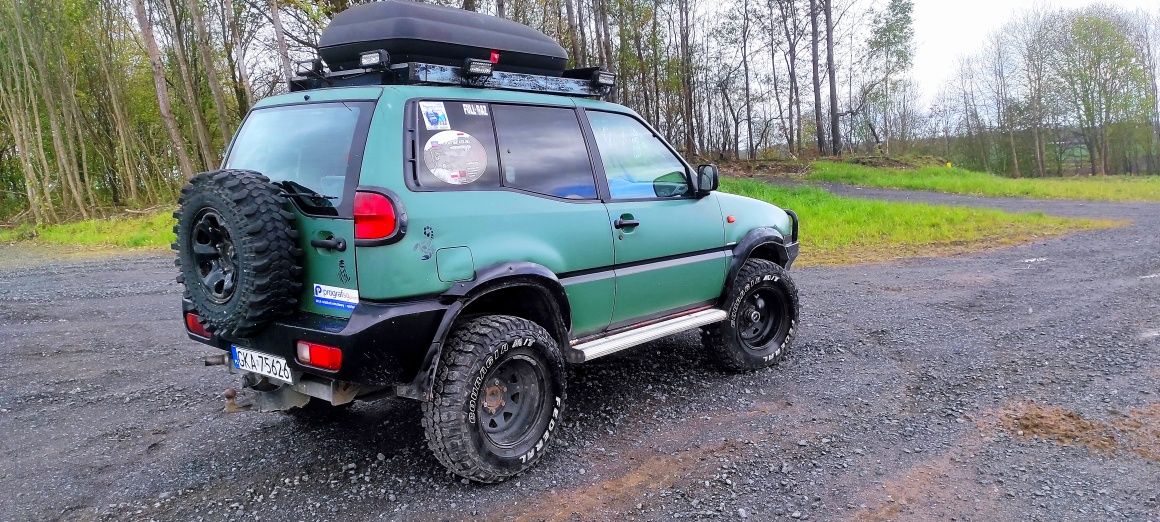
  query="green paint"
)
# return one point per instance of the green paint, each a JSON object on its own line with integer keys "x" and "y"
{"x": 322, "y": 266}
{"x": 667, "y": 228}
{"x": 455, "y": 264}
{"x": 451, "y": 235}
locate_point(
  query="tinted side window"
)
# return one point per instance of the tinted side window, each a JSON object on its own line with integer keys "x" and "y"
{"x": 542, "y": 150}
{"x": 456, "y": 146}
{"x": 637, "y": 163}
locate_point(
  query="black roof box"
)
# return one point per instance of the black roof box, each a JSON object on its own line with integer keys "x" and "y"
{"x": 414, "y": 32}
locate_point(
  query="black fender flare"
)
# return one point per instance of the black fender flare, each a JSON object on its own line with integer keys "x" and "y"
{"x": 760, "y": 238}
{"x": 462, "y": 294}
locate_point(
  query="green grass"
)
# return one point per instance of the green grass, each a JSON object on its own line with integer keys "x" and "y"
{"x": 834, "y": 229}
{"x": 961, "y": 181}
{"x": 148, "y": 231}
{"x": 840, "y": 230}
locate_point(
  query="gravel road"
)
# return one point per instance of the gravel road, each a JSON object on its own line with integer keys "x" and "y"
{"x": 1017, "y": 384}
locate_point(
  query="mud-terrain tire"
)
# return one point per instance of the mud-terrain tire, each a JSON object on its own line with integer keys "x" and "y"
{"x": 237, "y": 251}
{"x": 499, "y": 394}
{"x": 762, "y": 307}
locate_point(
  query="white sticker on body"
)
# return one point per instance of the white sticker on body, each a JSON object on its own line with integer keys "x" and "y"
{"x": 475, "y": 109}
{"x": 335, "y": 297}
{"x": 455, "y": 157}
{"x": 434, "y": 115}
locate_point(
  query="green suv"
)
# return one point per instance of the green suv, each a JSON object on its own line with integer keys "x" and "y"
{"x": 459, "y": 235}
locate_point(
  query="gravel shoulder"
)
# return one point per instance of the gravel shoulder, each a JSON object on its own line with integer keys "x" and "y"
{"x": 1019, "y": 383}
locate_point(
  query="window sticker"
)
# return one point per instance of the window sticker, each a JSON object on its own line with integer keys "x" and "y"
{"x": 475, "y": 109}
{"x": 434, "y": 115}
{"x": 455, "y": 157}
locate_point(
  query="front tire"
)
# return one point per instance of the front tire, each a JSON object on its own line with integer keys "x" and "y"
{"x": 497, "y": 399}
{"x": 762, "y": 307}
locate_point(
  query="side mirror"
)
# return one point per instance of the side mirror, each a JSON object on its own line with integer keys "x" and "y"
{"x": 707, "y": 179}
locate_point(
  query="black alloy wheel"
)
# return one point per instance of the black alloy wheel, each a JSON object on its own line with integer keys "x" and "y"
{"x": 764, "y": 316}
{"x": 215, "y": 255}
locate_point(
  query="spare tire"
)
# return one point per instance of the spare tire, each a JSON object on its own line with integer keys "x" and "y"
{"x": 237, "y": 251}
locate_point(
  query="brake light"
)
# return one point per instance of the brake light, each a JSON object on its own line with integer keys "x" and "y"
{"x": 374, "y": 216}
{"x": 194, "y": 326}
{"x": 319, "y": 355}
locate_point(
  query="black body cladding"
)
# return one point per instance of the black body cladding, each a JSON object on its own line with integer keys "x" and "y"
{"x": 413, "y": 32}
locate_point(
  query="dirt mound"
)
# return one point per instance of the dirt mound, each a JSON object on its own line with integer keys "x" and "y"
{"x": 781, "y": 168}
{"x": 1138, "y": 431}
{"x": 882, "y": 162}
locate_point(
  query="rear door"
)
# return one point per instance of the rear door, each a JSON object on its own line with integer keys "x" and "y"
{"x": 669, "y": 245}
{"x": 314, "y": 151}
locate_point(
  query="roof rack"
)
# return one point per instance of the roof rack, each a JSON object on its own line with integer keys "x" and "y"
{"x": 590, "y": 82}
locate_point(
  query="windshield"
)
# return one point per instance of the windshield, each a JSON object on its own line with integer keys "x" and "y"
{"x": 307, "y": 149}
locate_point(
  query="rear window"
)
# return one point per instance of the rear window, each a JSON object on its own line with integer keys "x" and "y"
{"x": 539, "y": 149}
{"x": 309, "y": 149}
{"x": 456, "y": 148}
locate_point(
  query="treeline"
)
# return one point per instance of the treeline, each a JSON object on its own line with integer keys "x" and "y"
{"x": 1053, "y": 93}
{"x": 111, "y": 104}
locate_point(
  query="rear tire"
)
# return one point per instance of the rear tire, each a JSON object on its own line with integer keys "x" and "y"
{"x": 762, "y": 307}
{"x": 497, "y": 399}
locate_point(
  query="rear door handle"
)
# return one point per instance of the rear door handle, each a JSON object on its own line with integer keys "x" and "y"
{"x": 334, "y": 243}
{"x": 625, "y": 223}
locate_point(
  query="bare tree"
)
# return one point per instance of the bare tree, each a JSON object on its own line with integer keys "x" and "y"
{"x": 835, "y": 130}
{"x": 163, "y": 103}
{"x": 819, "y": 129}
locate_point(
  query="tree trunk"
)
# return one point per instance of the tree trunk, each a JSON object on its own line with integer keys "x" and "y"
{"x": 201, "y": 132}
{"x": 280, "y": 36}
{"x": 749, "y": 152}
{"x": 835, "y": 130}
{"x": 163, "y": 104}
{"x": 819, "y": 129}
{"x": 573, "y": 33}
{"x": 205, "y": 49}
{"x": 685, "y": 31}
{"x": 582, "y": 58}
{"x": 468, "y": 5}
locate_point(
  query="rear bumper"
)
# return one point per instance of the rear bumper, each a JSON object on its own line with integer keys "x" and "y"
{"x": 382, "y": 344}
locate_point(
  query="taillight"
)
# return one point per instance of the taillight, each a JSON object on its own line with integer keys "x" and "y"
{"x": 374, "y": 216}
{"x": 193, "y": 324}
{"x": 319, "y": 355}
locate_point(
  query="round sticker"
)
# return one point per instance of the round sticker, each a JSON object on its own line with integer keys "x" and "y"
{"x": 455, "y": 157}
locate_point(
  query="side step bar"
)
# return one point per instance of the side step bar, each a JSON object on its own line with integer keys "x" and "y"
{"x": 587, "y": 351}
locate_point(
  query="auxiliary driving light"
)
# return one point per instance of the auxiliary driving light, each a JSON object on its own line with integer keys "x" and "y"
{"x": 603, "y": 79}
{"x": 307, "y": 68}
{"x": 474, "y": 67}
{"x": 374, "y": 59}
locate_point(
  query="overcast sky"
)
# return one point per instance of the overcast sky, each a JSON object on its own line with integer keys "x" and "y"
{"x": 944, "y": 30}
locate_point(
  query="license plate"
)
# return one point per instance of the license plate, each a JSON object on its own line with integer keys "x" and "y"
{"x": 258, "y": 362}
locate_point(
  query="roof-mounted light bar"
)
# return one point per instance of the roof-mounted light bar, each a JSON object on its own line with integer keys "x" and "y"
{"x": 377, "y": 59}
{"x": 308, "y": 68}
{"x": 474, "y": 68}
{"x": 603, "y": 79}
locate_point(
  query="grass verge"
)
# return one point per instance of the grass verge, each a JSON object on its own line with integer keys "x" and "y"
{"x": 961, "y": 181}
{"x": 147, "y": 231}
{"x": 838, "y": 230}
